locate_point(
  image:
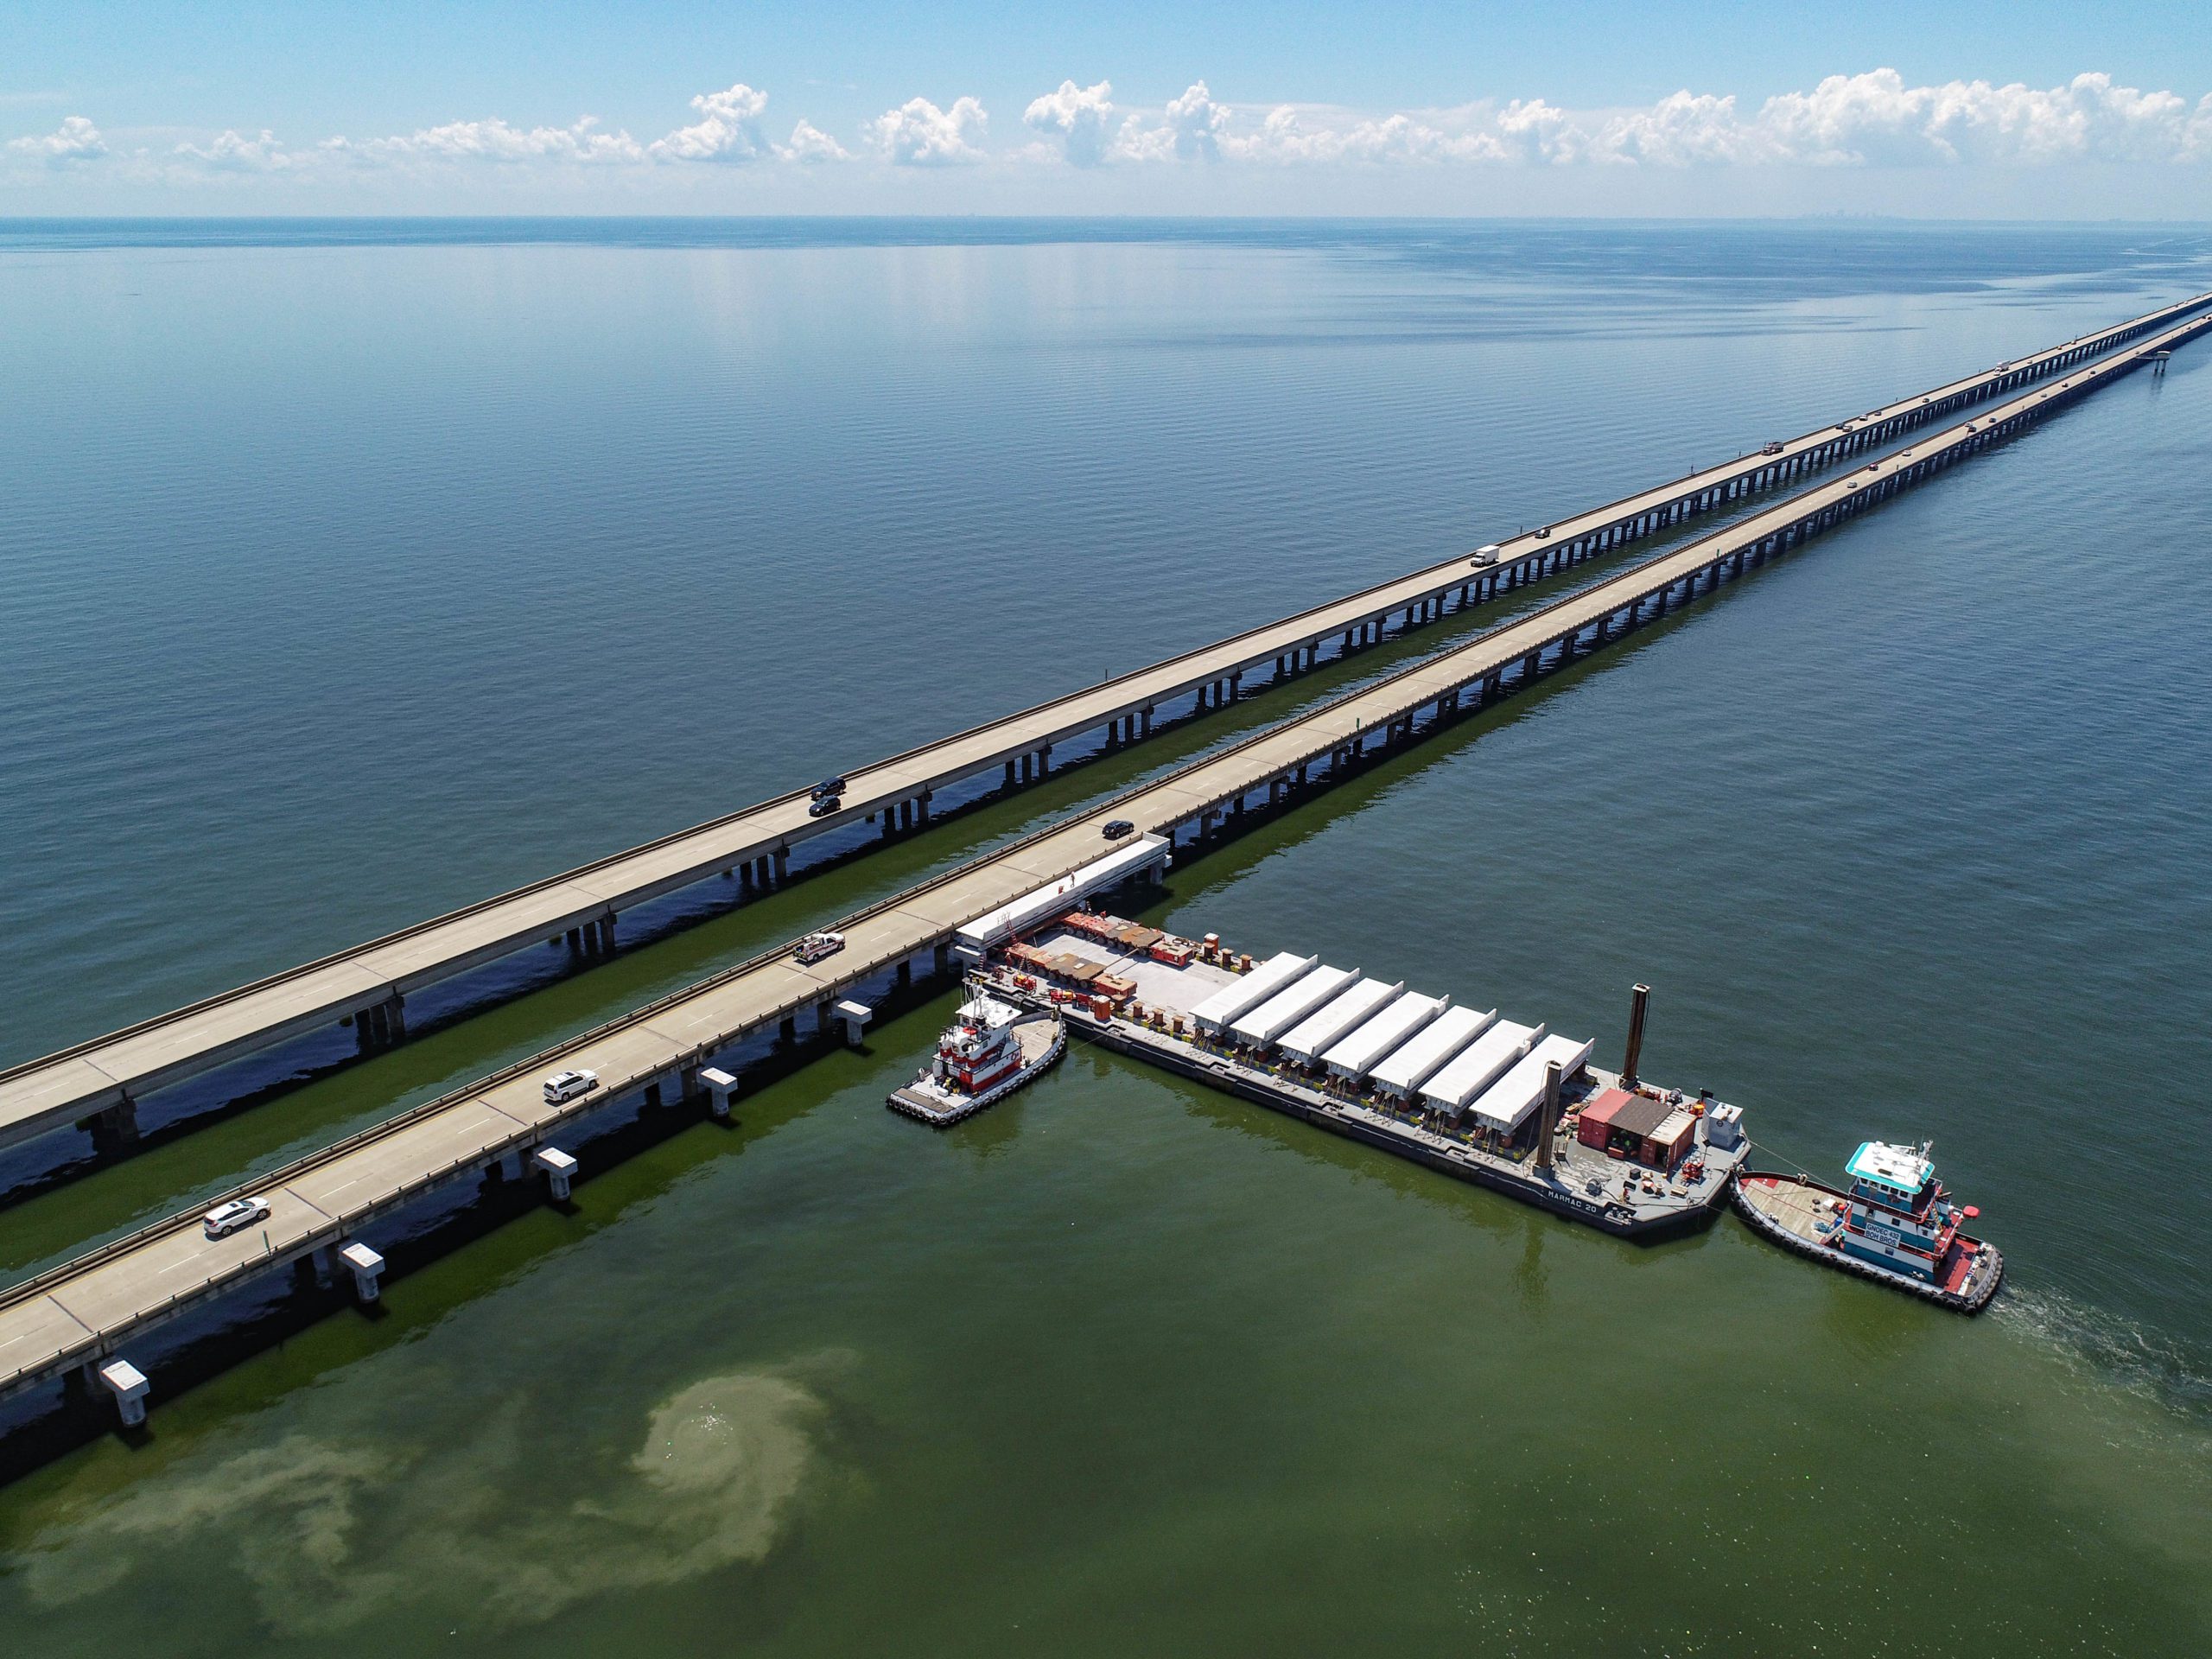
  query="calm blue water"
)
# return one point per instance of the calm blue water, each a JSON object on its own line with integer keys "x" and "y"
{"x": 357, "y": 569}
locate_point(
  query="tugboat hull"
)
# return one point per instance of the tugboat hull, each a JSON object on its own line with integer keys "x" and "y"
{"x": 1791, "y": 1209}
{"x": 1043, "y": 1039}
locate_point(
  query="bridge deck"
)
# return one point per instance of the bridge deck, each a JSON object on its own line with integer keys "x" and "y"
{"x": 110, "y": 1070}
{"x": 85, "y": 1308}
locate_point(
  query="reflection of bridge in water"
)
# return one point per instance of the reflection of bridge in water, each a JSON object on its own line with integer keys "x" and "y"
{"x": 80, "y": 1314}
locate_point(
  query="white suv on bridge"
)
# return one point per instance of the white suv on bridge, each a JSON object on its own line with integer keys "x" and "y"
{"x": 226, "y": 1218}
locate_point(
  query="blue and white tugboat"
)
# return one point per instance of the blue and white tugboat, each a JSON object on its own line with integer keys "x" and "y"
{"x": 1896, "y": 1224}
{"x": 990, "y": 1050}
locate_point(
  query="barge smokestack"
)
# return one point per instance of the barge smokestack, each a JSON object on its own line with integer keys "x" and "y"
{"x": 1547, "y": 1115}
{"x": 1636, "y": 1005}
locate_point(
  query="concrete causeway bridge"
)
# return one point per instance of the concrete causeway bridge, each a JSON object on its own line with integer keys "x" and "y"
{"x": 97, "y": 1084}
{"x": 80, "y": 1315}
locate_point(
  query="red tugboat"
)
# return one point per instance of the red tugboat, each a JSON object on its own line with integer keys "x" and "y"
{"x": 990, "y": 1050}
{"x": 1896, "y": 1225}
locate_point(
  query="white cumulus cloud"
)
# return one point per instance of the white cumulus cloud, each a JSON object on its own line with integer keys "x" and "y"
{"x": 729, "y": 129}
{"x": 1290, "y": 134}
{"x": 1083, "y": 117}
{"x": 1876, "y": 119}
{"x": 1195, "y": 122}
{"x": 1189, "y": 129}
{"x": 1873, "y": 119}
{"x": 495, "y": 141}
{"x": 76, "y": 140}
{"x": 810, "y": 144}
{"x": 231, "y": 151}
{"x": 918, "y": 134}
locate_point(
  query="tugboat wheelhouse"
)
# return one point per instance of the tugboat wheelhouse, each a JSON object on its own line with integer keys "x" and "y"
{"x": 1900, "y": 1216}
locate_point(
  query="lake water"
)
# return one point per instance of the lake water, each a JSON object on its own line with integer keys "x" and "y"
{"x": 353, "y": 571}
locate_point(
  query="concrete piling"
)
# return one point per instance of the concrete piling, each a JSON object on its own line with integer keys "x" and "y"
{"x": 128, "y": 1385}
{"x": 720, "y": 1086}
{"x": 367, "y": 1267}
{"x": 560, "y": 1171}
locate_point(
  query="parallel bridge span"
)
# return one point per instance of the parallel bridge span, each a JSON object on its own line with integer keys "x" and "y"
{"x": 99, "y": 1082}
{"x": 80, "y": 1313}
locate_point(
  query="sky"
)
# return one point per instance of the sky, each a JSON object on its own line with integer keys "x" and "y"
{"x": 2029, "y": 110}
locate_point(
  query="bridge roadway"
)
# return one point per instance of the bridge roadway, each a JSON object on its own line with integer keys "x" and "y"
{"x": 99, "y": 1082}
{"x": 83, "y": 1310}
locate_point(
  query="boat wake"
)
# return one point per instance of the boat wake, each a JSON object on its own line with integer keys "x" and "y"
{"x": 2114, "y": 1348}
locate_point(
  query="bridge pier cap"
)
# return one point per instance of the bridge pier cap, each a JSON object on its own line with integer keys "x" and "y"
{"x": 128, "y": 1384}
{"x": 367, "y": 1267}
{"x": 560, "y": 1169}
{"x": 720, "y": 1084}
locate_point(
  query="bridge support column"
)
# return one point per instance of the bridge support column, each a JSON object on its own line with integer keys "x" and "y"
{"x": 1009, "y": 774}
{"x": 367, "y": 1268}
{"x": 783, "y": 865}
{"x": 720, "y": 1085}
{"x": 1044, "y": 760}
{"x": 606, "y": 945}
{"x": 1144, "y": 715}
{"x": 788, "y": 1029}
{"x": 127, "y": 1385}
{"x": 560, "y": 1170}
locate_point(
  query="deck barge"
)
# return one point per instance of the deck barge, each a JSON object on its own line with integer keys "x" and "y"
{"x": 1154, "y": 1011}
